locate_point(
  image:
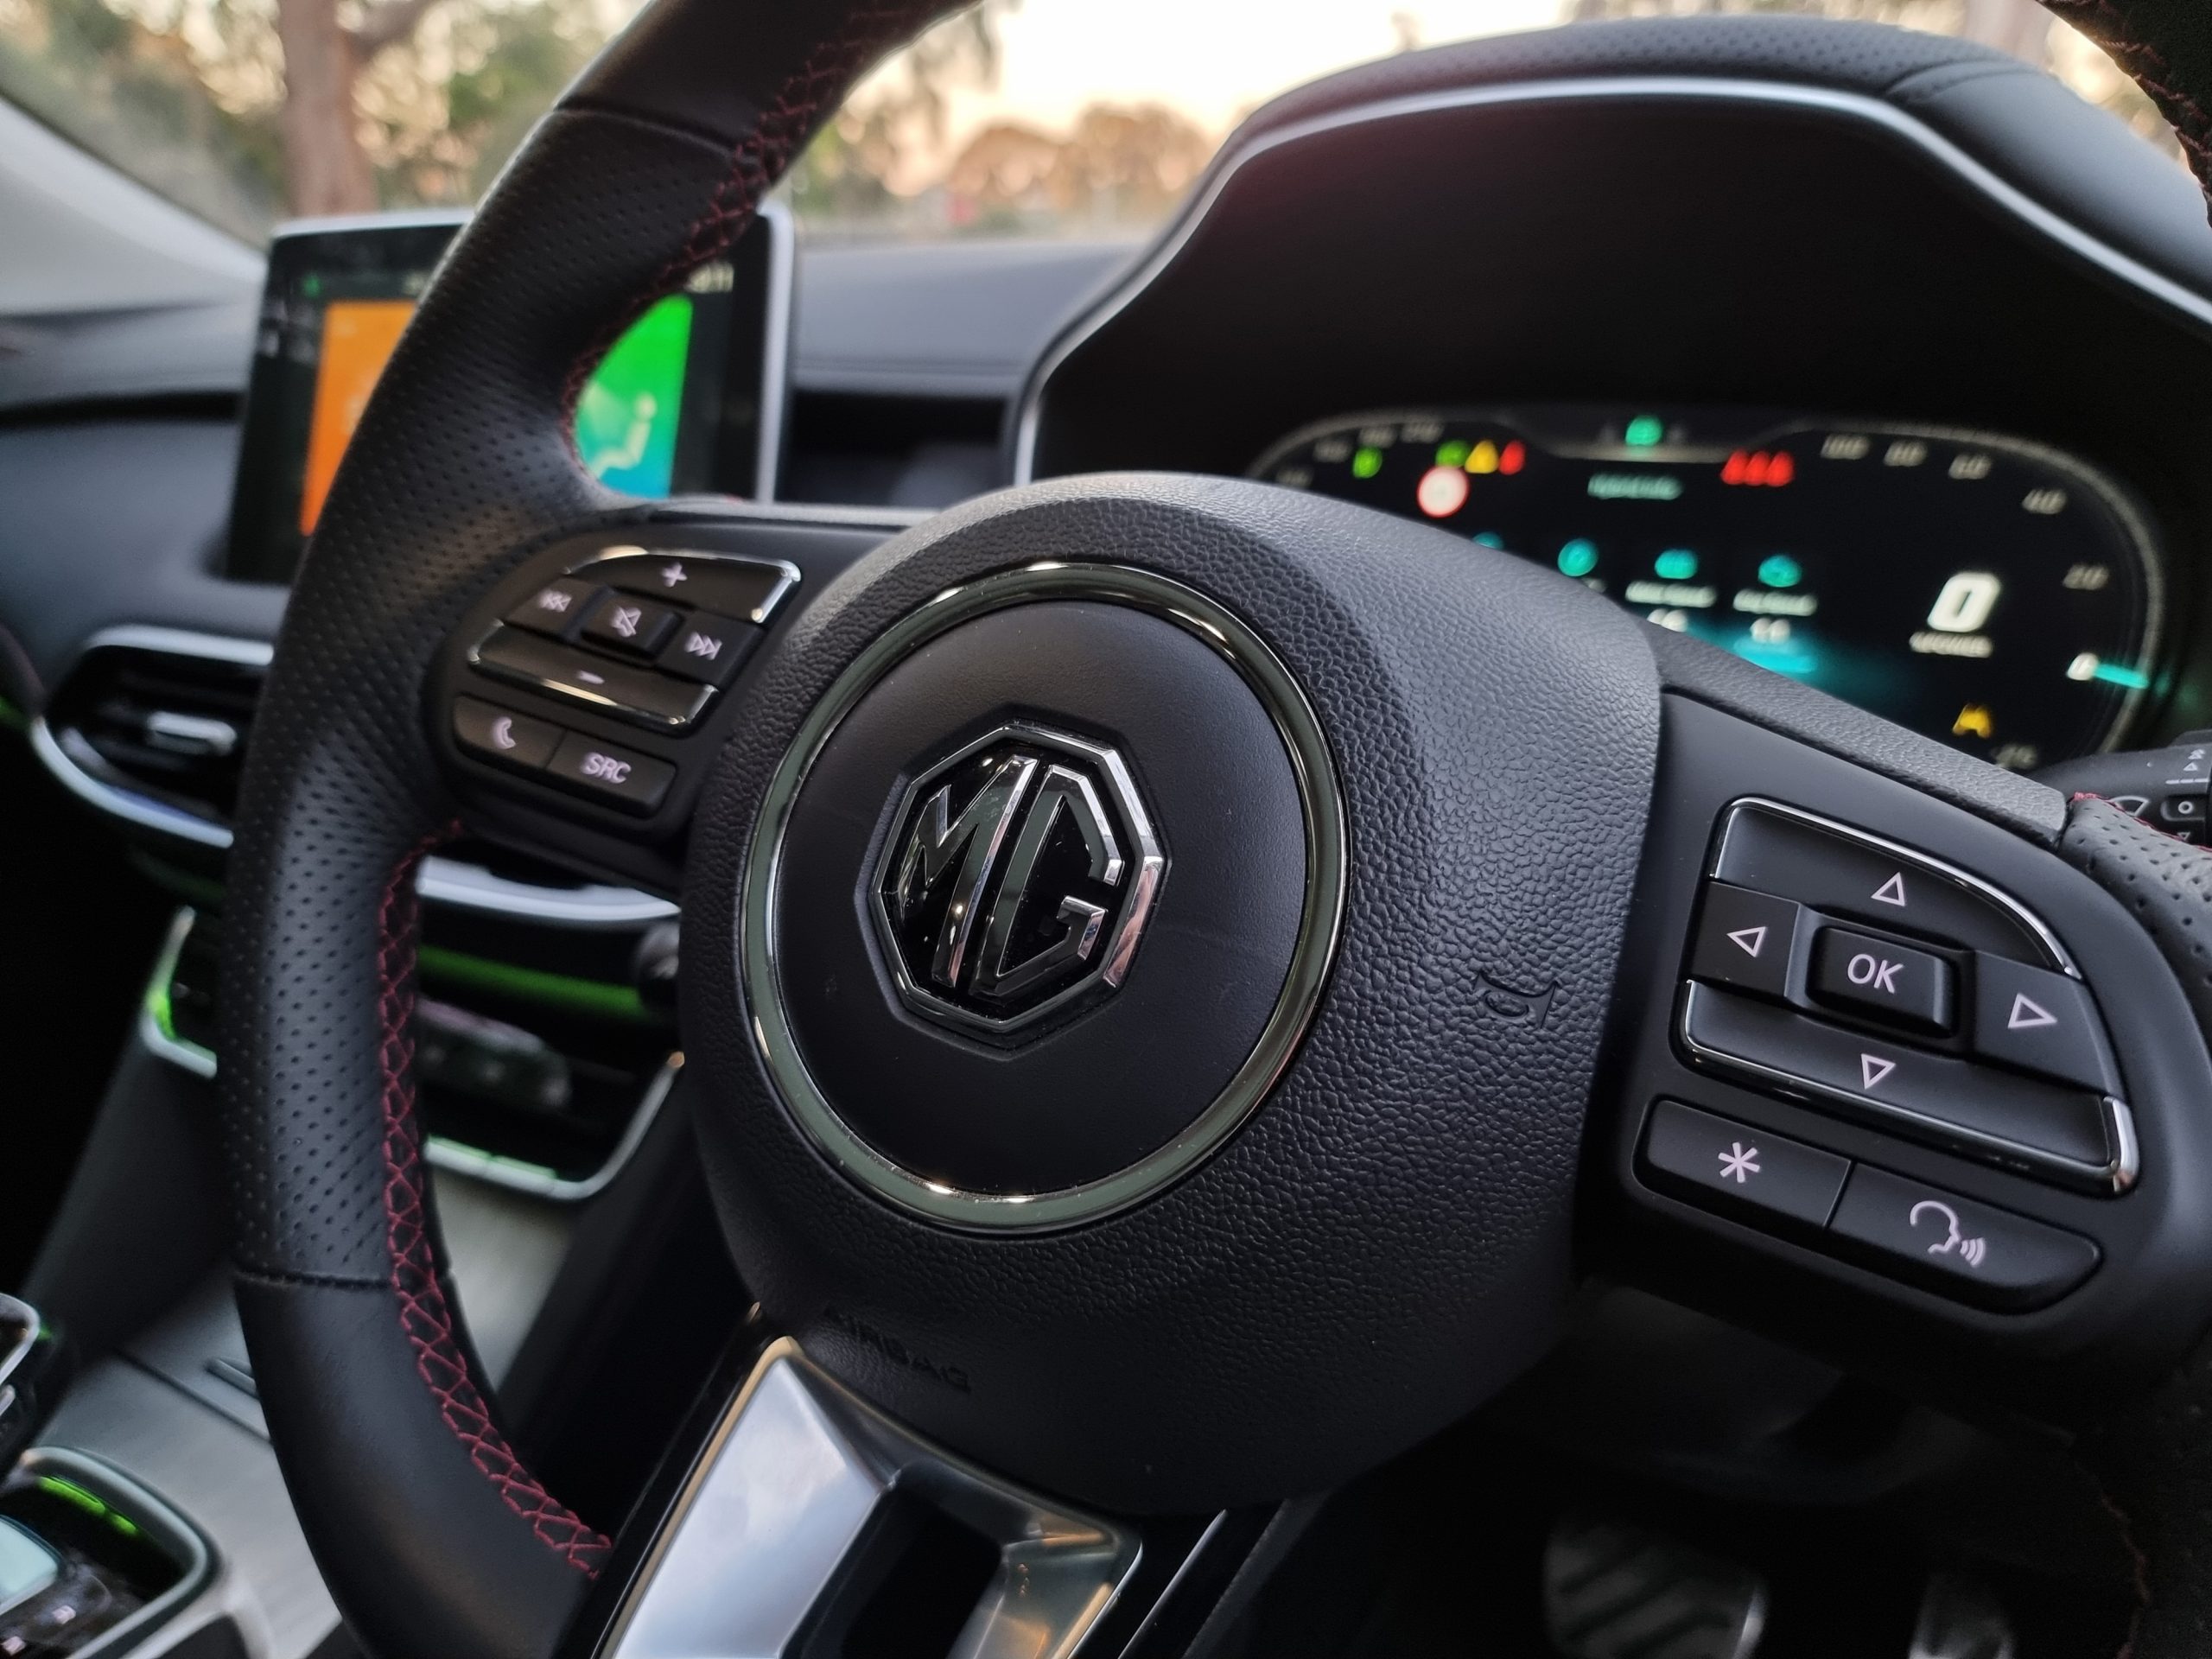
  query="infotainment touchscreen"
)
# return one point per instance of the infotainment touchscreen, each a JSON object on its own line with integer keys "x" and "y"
{"x": 690, "y": 397}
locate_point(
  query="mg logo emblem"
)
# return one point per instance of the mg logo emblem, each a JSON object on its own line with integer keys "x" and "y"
{"x": 1016, "y": 882}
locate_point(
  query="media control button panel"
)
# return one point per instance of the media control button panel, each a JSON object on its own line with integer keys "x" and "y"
{"x": 617, "y": 633}
{"x": 1927, "y": 1236}
{"x": 1866, "y": 979}
{"x": 651, "y": 638}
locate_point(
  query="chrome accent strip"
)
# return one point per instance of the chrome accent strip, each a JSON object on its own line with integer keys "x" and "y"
{"x": 141, "y": 809}
{"x": 1928, "y": 862}
{"x": 458, "y": 1156}
{"x": 174, "y": 1536}
{"x": 1311, "y": 959}
{"x": 2112, "y": 1178}
{"x": 680, "y": 511}
{"x": 399, "y": 219}
{"x": 666, "y": 725}
{"x": 179, "y": 642}
{"x": 2127, "y": 1150}
{"x": 1875, "y": 111}
{"x": 18, "y": 1312}
{"x": 517, "y": 1177}
{"x": 442, "y": 881}
{"x": 191, "y": 733}
{"x": 128, "y": 804}
{"x": 775, "y": 219}
{"x": 155, "y": 1030}
{"x": 783, "y": 1490}
{"x": 788, "y": 572}
{"x": 471, "y": 886}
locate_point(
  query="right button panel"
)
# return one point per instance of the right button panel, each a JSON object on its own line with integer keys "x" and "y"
{"x": 1893, "y": 989}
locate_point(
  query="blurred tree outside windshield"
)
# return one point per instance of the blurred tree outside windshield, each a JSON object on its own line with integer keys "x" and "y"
{"x": 1068, "y": 117}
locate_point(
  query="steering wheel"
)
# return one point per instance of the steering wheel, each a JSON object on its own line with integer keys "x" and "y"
{"x": 1165, "y": 961}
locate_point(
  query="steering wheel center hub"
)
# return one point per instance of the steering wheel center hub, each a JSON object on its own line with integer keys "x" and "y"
{"x": 1046, "y": 894}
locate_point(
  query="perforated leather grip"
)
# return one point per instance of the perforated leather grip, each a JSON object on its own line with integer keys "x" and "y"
{"x": 432, "y": 1536}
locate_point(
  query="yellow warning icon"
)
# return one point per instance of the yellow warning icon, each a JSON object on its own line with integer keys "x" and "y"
{"x": 1973, "y": 722}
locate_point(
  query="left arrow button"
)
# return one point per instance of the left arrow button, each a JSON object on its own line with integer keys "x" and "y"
{"x": 1744, "y": 939}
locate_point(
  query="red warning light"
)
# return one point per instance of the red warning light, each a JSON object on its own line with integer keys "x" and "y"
{"x": 1513, "y": 457}
{"x": 1769, "y": 468}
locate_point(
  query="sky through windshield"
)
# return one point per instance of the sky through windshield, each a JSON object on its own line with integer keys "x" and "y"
{"x": 1085, "y": 118}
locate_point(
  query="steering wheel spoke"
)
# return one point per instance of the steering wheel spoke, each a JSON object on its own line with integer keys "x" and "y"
{"x": 807, "y": 1516}
{"x": 576, "y": 707}
{"x": 1897, "y": 1083}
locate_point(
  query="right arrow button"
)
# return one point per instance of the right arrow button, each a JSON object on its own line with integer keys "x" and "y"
{"x": 2041, "y": 1022}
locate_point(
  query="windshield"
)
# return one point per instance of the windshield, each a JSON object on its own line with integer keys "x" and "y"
{"x": 1031, "y": 117}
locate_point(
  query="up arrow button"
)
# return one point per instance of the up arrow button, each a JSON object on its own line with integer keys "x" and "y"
{"x": 2042, "y": 1022}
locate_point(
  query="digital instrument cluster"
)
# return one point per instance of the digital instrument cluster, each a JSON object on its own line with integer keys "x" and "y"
{"x": 1997, "y": 594}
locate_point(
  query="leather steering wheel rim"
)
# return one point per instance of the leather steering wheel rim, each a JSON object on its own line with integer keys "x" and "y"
{"x": 433, "y": 1536}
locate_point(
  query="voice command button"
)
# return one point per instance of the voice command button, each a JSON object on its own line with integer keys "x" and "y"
{"x": 1975, "y": 1252}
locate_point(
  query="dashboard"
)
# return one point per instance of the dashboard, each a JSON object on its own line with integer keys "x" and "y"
{"x": 1995, "y": 594}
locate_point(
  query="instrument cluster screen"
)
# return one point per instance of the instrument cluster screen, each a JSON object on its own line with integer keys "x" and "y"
{"x": 1994, "y": 593}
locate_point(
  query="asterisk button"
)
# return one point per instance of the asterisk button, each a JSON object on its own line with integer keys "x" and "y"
{"x": 1738, "y": 1163}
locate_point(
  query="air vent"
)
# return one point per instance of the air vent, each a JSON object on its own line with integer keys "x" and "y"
{"x": 155, "y": 725}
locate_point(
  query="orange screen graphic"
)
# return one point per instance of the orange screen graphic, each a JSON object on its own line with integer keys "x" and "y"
{"x": 357, "y": 336}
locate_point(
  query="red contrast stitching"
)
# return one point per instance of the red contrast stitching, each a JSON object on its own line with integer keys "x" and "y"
{"x": 2081, "y": 794}
{"x": 2151, "y": 71}
{"x": 2140, "y": 1565}
{"x": 759, "y": 157}
{"x": 424, "y": 1314}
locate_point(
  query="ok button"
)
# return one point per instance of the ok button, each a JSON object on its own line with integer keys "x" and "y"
{"x": 1881, "y": 977}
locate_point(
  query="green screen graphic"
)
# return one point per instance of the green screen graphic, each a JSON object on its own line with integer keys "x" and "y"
{"x": 626, "y": 420}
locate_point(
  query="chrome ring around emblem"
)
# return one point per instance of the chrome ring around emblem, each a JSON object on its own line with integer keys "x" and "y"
{"x": 1311, "y": 957}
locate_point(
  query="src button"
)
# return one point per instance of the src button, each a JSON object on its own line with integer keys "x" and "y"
{"x": 635, "y": 783}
